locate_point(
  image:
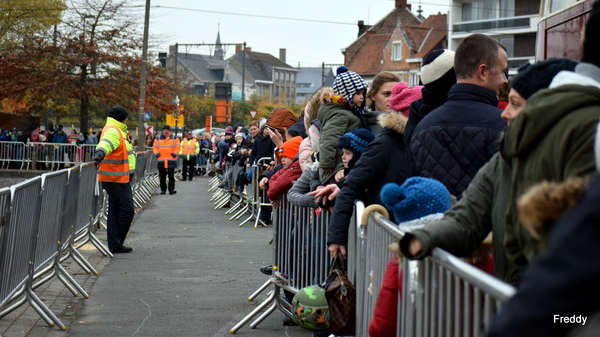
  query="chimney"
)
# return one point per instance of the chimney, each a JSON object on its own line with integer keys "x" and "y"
{"x": 282, "y": 54}
{"x": 238, "y": 48}
{"x": 361, "y": 27}
{"x": 248, "y": 49}
{"x": 162, "y": 57}
{"x": 400, "y": 3}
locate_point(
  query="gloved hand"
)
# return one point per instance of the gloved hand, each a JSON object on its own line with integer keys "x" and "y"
{"x": 174, "y": 155}
{"x": 97, "y": 157}
{"x": 157, "y": 155}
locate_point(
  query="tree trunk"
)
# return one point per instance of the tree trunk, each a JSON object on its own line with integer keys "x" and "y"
{"x": 84, "y": 111}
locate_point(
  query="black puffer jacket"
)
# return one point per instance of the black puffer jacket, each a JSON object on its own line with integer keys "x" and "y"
{"x": 455, "y": 140}
{"x": 383, "y": 161}
{"x": 263, "y": 147}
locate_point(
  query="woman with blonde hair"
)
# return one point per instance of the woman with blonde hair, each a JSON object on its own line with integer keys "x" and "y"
{"x": 378, "y": 97}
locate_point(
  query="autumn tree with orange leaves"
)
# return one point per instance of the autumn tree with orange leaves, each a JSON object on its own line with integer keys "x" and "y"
{"x": 94, "y": 60}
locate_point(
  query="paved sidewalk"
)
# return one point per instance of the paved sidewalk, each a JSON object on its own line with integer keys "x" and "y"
{"x": 190, "y": 274}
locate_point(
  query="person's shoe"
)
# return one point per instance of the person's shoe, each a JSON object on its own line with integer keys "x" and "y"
{"x": 123, "y": 249}
{"x": 267, "y": 270}
{"x": 163, "y": 192}
{"x": 174, "y": 192}
{"x": 182, "y": 179}
{"x": 288, "y": 321}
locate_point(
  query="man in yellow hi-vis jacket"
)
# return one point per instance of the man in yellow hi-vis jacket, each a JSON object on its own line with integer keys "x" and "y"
{"x": 115, "y": 161}
{"x": 166, "y": 149}
{"x": 189, "y": 152}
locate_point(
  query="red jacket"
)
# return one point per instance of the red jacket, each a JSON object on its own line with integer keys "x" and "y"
{"x": 384, "y": 319}
{"x": 281, "y": 181}
{"x": 385, "y": 316}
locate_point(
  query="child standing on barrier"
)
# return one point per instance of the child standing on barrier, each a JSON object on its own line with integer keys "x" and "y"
{"x": 339, "y": 114}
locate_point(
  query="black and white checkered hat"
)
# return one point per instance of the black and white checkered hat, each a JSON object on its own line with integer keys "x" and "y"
{"x": 347, "y": 83}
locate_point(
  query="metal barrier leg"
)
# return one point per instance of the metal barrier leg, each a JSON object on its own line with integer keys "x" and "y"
{"x": 259, "y": 290}
{"x": 239, "y": 214}
{"x": 264, "y": 315}
{"x": 235, "y": 207}
{"x": 81, "y": 261}
{"x": 253, "y": 313}
{"x": 45, "y": 312}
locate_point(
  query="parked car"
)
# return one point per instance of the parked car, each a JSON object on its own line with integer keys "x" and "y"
{"x": 201, "y": 132}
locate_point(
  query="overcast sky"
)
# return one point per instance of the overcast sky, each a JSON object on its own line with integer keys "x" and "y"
{"x": 313, "y": 31}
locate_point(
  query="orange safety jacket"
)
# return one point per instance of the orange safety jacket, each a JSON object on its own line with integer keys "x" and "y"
{"x": 115, "y": 166}
{"x": 167, "y": 149}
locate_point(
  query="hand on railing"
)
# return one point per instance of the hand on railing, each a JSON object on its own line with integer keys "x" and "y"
{"x": 275, "y": 203}
{"x": 414, "y": 246}
{"x": 334, "y": 248}
{"x": 97, "y": 158}
{"x": 263, "y": 183}
{"x": 325, "y": 193}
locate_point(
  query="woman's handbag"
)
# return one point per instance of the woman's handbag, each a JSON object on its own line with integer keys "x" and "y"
{"x": 341, "y": 297}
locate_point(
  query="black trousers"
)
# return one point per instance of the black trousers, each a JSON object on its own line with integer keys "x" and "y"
{"x": 162, "y": 174}
{"x": 188, "y": 167}
{"x": 120, "y": 213}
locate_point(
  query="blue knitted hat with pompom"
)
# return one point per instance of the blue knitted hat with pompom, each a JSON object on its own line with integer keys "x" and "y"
{"x": 415, "y": 198}
{"x": 356, "y": 141}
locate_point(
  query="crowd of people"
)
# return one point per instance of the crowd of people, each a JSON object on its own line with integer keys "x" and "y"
{"x": 460, "y": 165}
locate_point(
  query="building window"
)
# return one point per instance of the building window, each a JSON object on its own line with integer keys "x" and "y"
{"x": 414, "y": 79}
{"x": 276, "y": 76}
{"x": 397, "y": 51}
{"x": 287, "y": 77}
{"x": 276, "y": 91}
{"x": 481, "y": 10}
{"x": 508, "y": 43}
{"x": 507, "y": 8}
{"x": 293, "y": 78}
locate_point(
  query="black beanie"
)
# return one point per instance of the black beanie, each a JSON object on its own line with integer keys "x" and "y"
{"x": 537, "y": 76}
{"x": 118, "y": 112}
{"x": 356, "y": 141}
{"x": 591, "y": 42}
{"x": 166, "y": 127}
{"x": 437, "y": 71}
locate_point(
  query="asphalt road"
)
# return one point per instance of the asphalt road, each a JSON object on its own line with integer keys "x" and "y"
{"x": 190, "y": 274}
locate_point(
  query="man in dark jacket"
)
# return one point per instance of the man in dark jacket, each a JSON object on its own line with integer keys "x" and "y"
{"x": 453, "y": 141}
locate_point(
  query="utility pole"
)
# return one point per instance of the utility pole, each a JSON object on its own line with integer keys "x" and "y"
{"x": 141, "y": 130}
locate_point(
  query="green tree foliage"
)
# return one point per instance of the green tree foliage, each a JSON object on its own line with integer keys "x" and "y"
{"x": 27, "y": 17}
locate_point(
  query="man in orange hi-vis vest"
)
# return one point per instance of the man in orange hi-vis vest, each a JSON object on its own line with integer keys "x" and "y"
{"x": 166, "y": 149}
{"x": 115, "y": 161}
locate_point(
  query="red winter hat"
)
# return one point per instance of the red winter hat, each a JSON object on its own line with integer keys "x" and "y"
{"x": 290, "y": 148}
{"x": 403, "y": 96}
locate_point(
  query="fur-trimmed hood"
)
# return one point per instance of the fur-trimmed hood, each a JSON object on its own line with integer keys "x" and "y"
{"x": 311, "y": 110}
{"x": 542, "y": 205}
{"x": 330, "y": 97}
{"x": 394, "y": 121}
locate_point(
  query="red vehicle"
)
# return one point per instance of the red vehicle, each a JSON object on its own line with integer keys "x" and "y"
{"x": 560, "y": 27}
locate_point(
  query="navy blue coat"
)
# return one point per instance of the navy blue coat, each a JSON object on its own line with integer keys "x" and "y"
{"x": 454, "y": 141}
{"x": 384, "y": 161}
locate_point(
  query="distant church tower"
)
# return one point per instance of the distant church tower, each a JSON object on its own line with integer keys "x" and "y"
{"x": 219, "y": 54}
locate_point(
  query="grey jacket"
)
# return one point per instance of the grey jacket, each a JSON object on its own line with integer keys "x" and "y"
{"x": 298, "y": 194}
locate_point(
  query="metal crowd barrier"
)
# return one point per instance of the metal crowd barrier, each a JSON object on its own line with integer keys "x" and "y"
{"x": 300, "y": 258}
{"x": 441, "y": 296}
{"x": 32, "y": 247}
{"x": 51, "y": 156}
